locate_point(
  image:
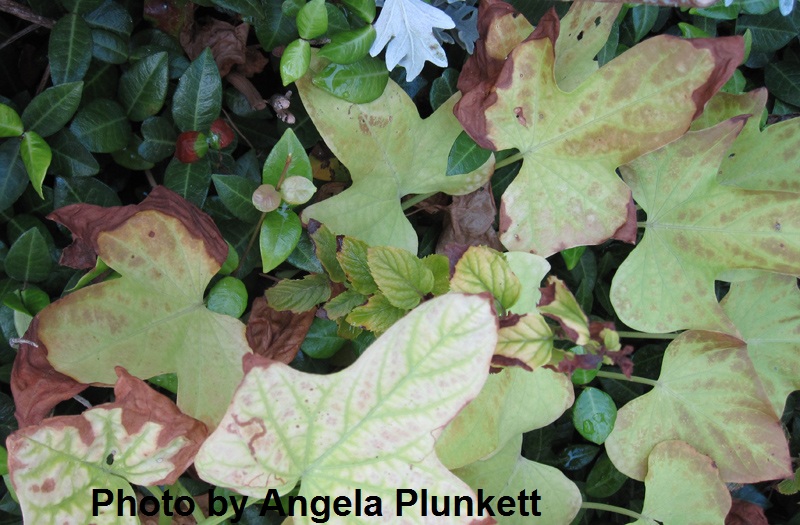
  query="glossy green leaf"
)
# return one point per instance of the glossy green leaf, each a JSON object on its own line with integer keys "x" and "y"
{"x": 644, "y": 18}
{"x": 56, "y": 465}
{"x": 690, "y": 31}
{"x": 736, "y": 427}
{"x": 159, "y": 137}
{"x": 236, "y": 194}
{"x": 321, "y": 341}
{"x": 414, "y": 160}
{"x": 275, "y": 28}
{"x": 365, "y": 9}
{"x": 280, "y": 233}
{"x": 175, "y": 333}
{"x": 50, "y": 111}
{"x": 604, "y": 480}
{"x": 771, "y": 31}
{"x": 683, "y": 486}
{"x": 102, "y": 126}
{"x": 354, "y": 262}
{"x": 81, "y": 6}
{"x": 465, "y": 155}
{"x": 402, "y": 278}
{"x": 783, "y": 80}
{"x": 70, "y": 49}
{"x": 582, "y": 135}
{"x": 252, "y": 8}
{"x": 111, "y": 16}
{"x": 109, "y": 47}
{"x": 691, "y": 235}
{"x": 228, "y": 297}
{"x": 36, "y": 156}
{"x": 190, "y": 181}
{"x": 358, "y": 82}
{"x": 377, "y": 315}
{"x": 303, "y": 256}
{"x": 295, "y": 61}
{"x": 443, "y": 87}
{"x": 287, "y": 158}
{"x": 198, "y": 97}
{"x": 508, "y": 477}
{"x": 70, "y": 190}
{"x": 143, "y": 88}
{"x": 764, "y": 311}
{"x": 10, "y": 122}
{"x": 299, "y": 295}
{"x": 28, "y": 259}
{"x": 513, "y": 401}
{"x": 572, "y": 256}
{"x": 312, "y": 20}
{"x": 128, "y": 157}
{"x": 594, "y": 415}
{"x": 448, "y": 341}
{"x": 349, "y": 46}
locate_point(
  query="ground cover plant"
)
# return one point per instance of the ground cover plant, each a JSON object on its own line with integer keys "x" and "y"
{"x": 350, "y": 261}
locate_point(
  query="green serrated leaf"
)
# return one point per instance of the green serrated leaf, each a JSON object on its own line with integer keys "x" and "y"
{"x": 377, "y": 315}
{"x": 28, "y": 259}
{"x": 36, "y": 156}
{"x": 50, "y": 111}
{"x": 236, "y": 194}
{"x": 321, "y": 341}
{"x": 70, "y": 49}
{"x": 198, "y": 97}
{"x": 349, "y": 46}
{"x": 402, "y": 278}
{"x": 143, "y": 88}
{"x": 280, "y": 233}
{"x": 358, "y": 82}
{"x": 352, "y": 258}
{"x": 439, "y": 265}
{"x": 299, "y": 295}
{"x": 482, "y": 269}
{"x": 10, "y": 122}
{"x": 343, "y": 304}
{"x": 102, "y": 126}
{"x": 326, "y": 246}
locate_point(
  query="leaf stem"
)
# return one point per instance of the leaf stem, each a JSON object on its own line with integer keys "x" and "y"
{"x": 615, "y": 509}
{"x": 645, "y": 335}
{"x": 641, "y": 224}
{"x": 509, "y": 160}
{"x": 25, "y": 13}
{"x": 416, "y": 199}
{"x": 157, "y": 493}
{"x": 180, "y": 490}
{"x": 623, "y": 377}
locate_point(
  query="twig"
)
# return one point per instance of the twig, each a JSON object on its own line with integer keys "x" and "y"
{"x": 45, "y": 78}
{"x": 233, "y": 125}
{"x": 19, "y": 34}
{"x": 150, "y": 178}
{"x": 23, "y": 12}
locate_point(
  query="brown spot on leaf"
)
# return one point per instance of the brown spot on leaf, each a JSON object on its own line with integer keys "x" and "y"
{"x": 728, "y": 53}
{"x": 520, "y": 115}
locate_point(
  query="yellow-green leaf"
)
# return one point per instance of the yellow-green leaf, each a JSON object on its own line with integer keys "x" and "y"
{"x": 527, "y": 343}
{"x": 402, "y": 278}
{"x": 36, "y": 155}
{"x": 482, "y": 269}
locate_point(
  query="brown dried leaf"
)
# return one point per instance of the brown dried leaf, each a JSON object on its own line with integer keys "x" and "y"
{"x": 228, "y": 43}
{"x": 745, "y": 513}
{"x": 277, "y": 335}
{"x": 469, "y": 220}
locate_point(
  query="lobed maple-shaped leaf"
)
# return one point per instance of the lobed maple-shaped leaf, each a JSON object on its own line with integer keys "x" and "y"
{"x": 693, "y": 401}
{"x": 390, "y": 152}
{"x": 683, "y": 486}
{"x": 370, "y": 426}
{"x": 744, "y": 165}
{"x": 697, "y": 228}
{"x": 507, "y": 473}
{"x": 511, "y": 402}
{"x": 141, "y": 438}
{"x": 567, "y": 192}
{"x": 152, "y": 320}
{"x": 766, "y": 311}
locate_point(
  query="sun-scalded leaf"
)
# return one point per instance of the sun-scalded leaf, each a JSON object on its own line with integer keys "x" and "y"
{"x": 151, "y": 320}
{"x": 696, "y": 228}
{"x": 526, "y": 341}
{"x": 482, "y": 269}
{"x": 413, "y": 155}
{"x": 766, "y": 311}
{"x": 695, "y": 403}
{"x": 508, "y": 474}
{"x": 744, "y": 165}
{"x": 511, "y": 402}
{"x": 140, "y": 438}
{"x": 683, "y": 486}
{"x": 530, "y": 269}
{"x": 571, "y": 143}
{"x": 371, "y": 426}
{"x": 558, "y": 303}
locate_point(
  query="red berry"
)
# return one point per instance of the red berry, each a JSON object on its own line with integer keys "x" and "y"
{"x": 221, "y": 134}
{"x": 191, "y": 146}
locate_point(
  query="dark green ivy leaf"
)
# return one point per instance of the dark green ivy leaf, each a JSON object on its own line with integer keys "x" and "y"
{"x": 50, "y": 110}
{"x": 102, "y": 126}
{"x": 28, "y": 259}
{"x": 198, "y": 98}
{"x": 143, "y": 88}
{"x": 70, "y": 49}
{"x": 70, "y": 157}
{"x": 190, "y": 181}
{"x": 465, "y": 156}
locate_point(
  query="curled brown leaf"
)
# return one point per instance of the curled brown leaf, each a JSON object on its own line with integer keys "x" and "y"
{"x": 277, "y": 335}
